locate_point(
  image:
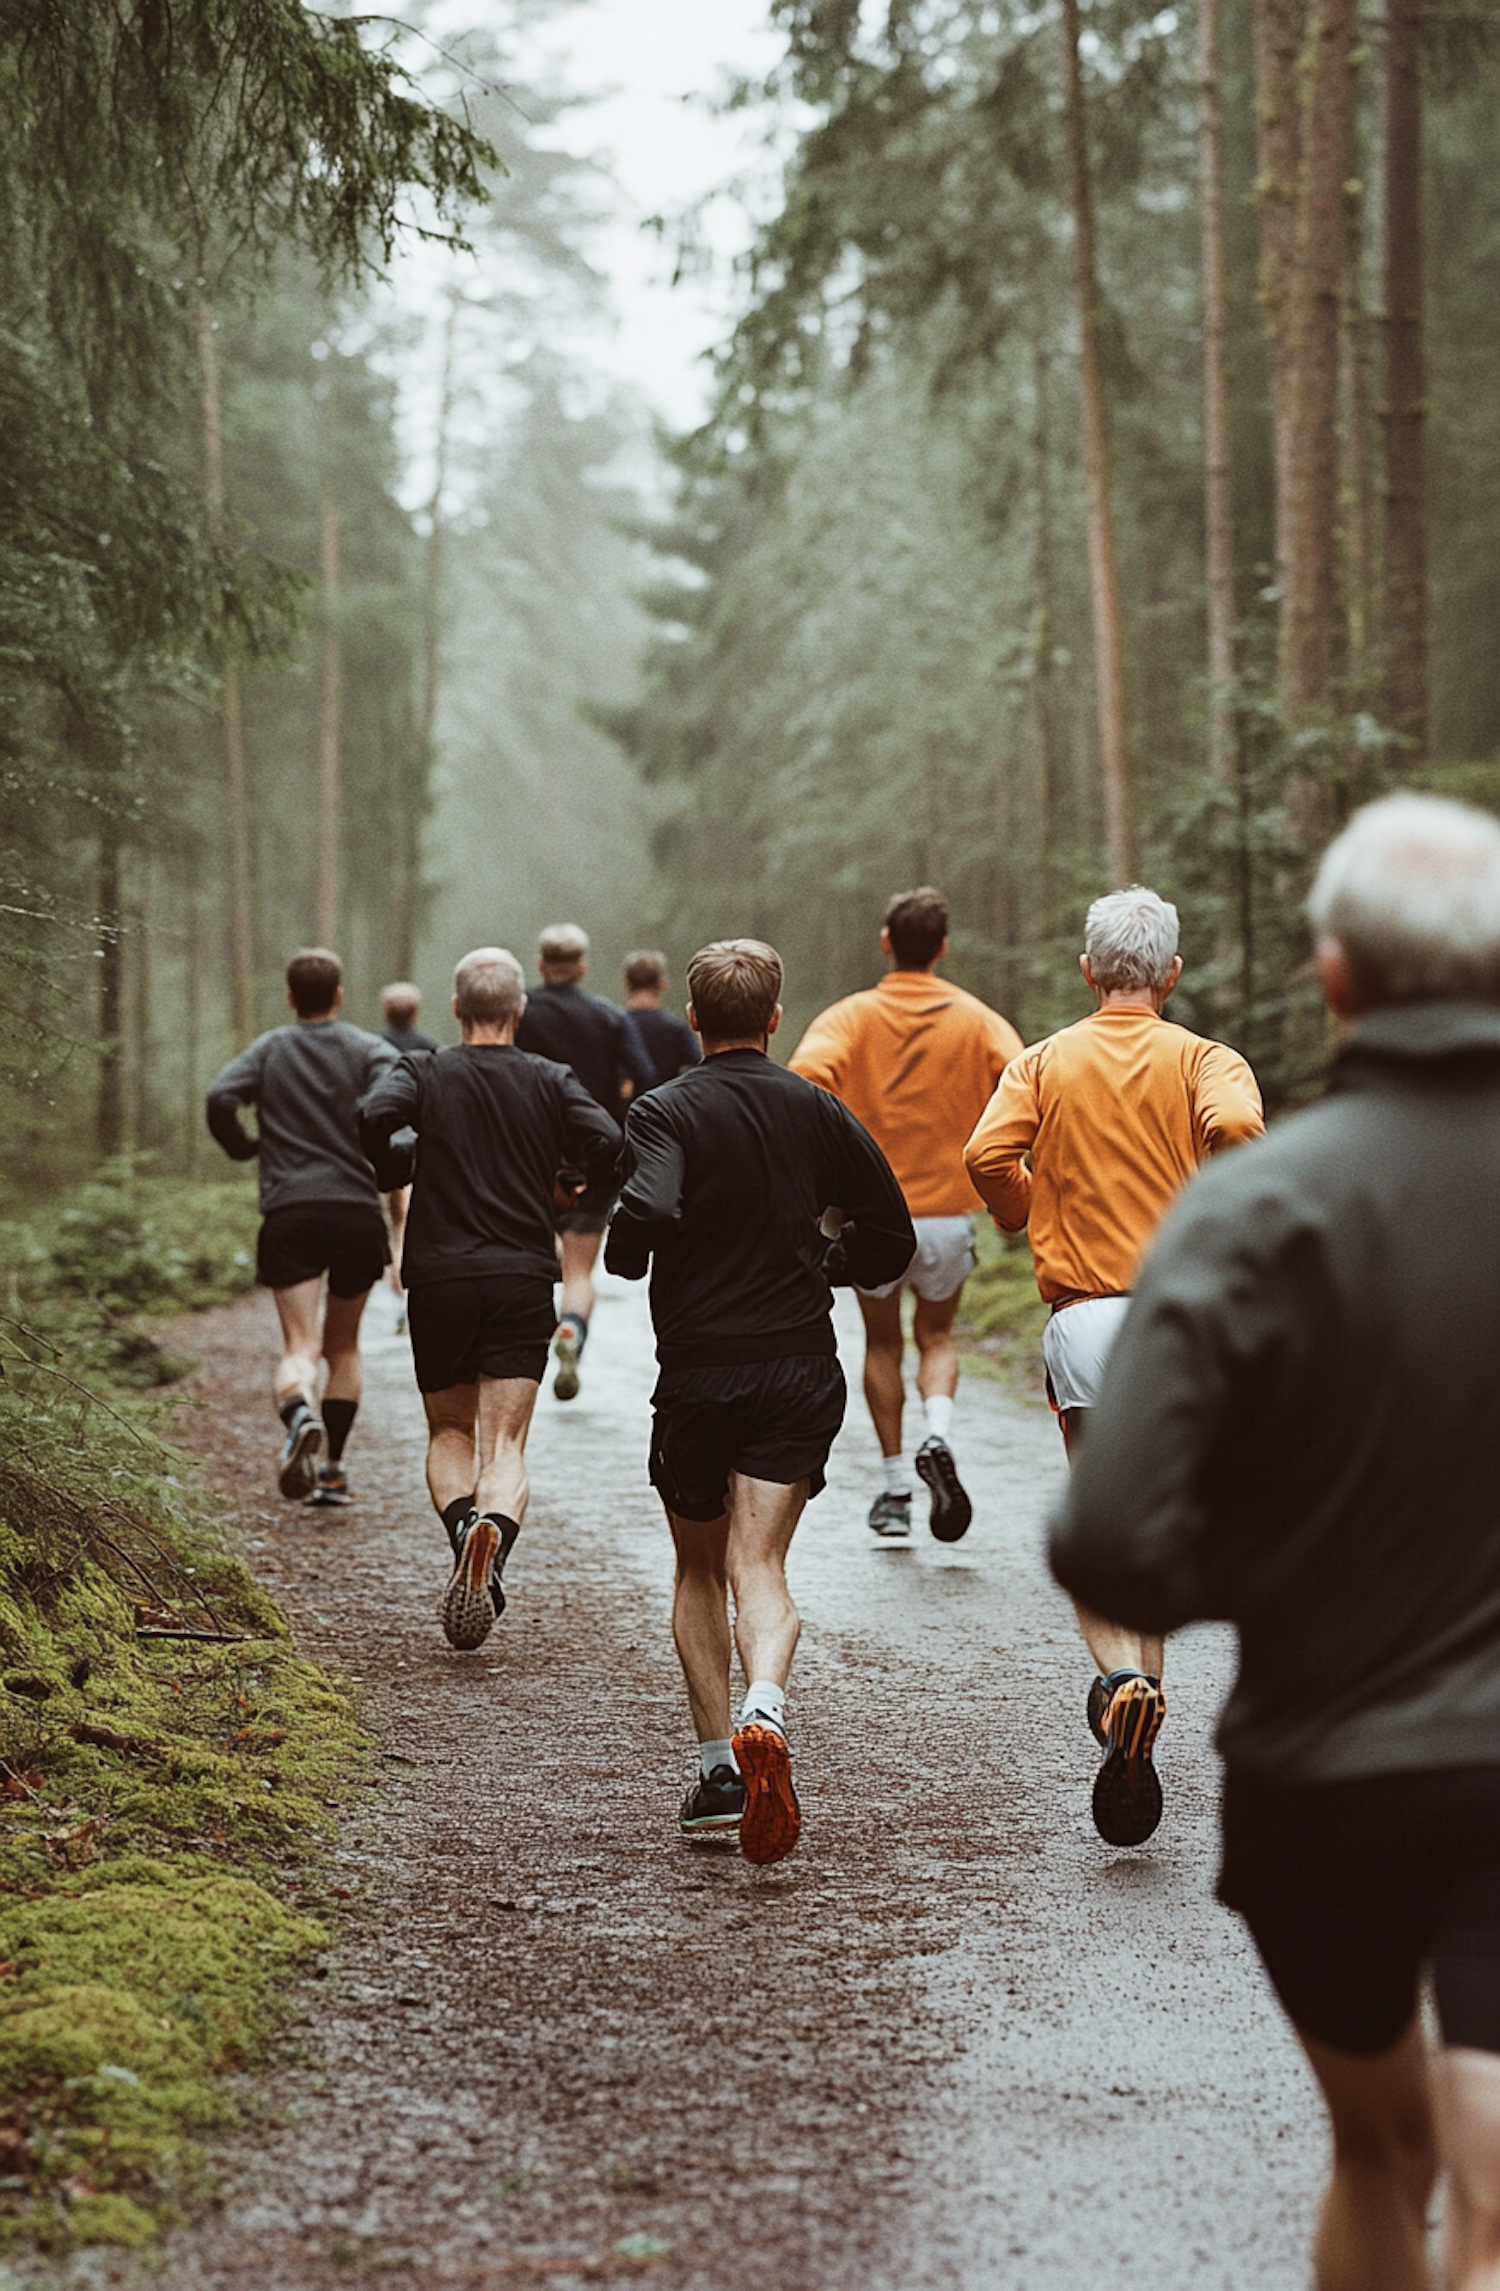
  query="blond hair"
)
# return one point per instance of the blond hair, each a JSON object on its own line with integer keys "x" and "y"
{"x": 735, "y": 985}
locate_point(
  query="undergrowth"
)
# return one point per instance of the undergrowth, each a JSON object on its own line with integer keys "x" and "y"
{"x": 170, "y": 1769}
{"x": 1002, "y": 1314}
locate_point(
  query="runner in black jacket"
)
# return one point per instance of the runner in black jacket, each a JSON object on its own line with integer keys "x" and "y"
{"x": 320, "y": 1209}
{"x": 733, "y": 1172}
{"x": 494, "y": 1128}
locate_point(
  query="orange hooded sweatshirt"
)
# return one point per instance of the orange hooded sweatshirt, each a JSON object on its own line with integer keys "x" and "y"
{"x": 1115, "y": 1114}
{"x": 915, "y": 1060}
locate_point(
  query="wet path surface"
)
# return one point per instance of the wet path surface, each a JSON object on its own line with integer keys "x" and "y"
{"x": 954, "y": 2042}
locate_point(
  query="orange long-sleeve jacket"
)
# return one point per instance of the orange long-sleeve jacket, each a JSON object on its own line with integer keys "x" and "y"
{"x": 915, "y": 1060}
{"x": 1115, "y": 1114}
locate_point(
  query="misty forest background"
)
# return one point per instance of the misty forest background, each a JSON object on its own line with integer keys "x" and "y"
{"x": 1104, "y": 480}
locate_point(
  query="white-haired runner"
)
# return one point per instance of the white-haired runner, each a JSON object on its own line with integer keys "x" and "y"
{"x": 1111, "y": 1115}
{"x": 494, "y": 1128}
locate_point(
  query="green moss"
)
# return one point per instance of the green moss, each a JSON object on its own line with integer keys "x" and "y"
{"x": 165, "y": 1802}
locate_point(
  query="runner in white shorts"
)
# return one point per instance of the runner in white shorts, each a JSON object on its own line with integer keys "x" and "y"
{"x": 916, "y": 1060}
{"x": 1112, "y": 1115}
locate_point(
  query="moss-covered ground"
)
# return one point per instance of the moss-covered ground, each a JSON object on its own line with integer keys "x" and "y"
{"x": 170, "y": 1768}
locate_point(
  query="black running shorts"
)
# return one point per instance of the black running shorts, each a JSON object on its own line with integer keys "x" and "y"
{"x": 310, "y": 1238}
{"x": 1350, "y": 1888}
{"x": 494, "y": 1324}
{"x": 590, "y": 1212}
{"x": 770, "y": 1419}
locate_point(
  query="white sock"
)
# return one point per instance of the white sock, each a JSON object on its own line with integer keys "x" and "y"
{"x": 897, "y": 1477}
{"x": 939, "y": 1411}
{"x": 764, "y": 1699}
{"x": 712, "y": 1754}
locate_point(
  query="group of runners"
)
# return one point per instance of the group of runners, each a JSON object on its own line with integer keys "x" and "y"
{"x": 1297, "y": 1430}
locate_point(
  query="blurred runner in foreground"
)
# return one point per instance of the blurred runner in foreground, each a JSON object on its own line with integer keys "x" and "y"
{"x": 916, "y": 1060}
{"x": 670, "y": 1042}
{"x": 1114, "y": 1114}
{"x": 494, "y": 1127}
{"x": 603, "y": 1048}
{"x": 729, "y": 1172}
{"x": 1298, "y": 1432}
{"x": 400, "y": 1008}
{"x": 319, "y": 1205}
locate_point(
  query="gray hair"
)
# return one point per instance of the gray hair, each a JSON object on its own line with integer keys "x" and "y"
{"x": 489, "y": 987}
{"x": 1411, "y": 894}
{"x": 564, "y": 943}
{"x": 1130, "y": 939}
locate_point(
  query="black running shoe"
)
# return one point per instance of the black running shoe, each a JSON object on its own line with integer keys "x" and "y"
{"x": 951, "y": 1509}
{"x": 299, "y": 1457}
{"x": 713, "y": 1806}
{"x": 890, "y": 1516}
{"x": 1127, "y": 1789}
{"x": 331, "y": 1485}
{"x": 475, "y": 1597}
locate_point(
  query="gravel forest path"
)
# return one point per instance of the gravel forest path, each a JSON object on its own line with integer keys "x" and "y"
{"x": 954, "y": 2044}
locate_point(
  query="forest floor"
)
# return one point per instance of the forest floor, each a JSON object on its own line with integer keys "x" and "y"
{"x": 955, "y": 2042}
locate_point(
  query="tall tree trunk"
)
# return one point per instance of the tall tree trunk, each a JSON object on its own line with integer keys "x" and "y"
{"x": 193, "y": 1030}
{"x": 1305, "y": 653}
{"x": 236, "y": 792}
{"x": 1104, "y": 580}
{"x": 110, "y": 1118}
{"x": 1218, "y": 475}
{"x": 1042, "y": 642}
{"x": 1277, "y": 27}
{"x": 330, "y": 726}
{"x": 411, "y": 798}
{"x": 138, "y": 1127}
{"x": 1356, "y": 508}
{"x": 1404, "y": 585}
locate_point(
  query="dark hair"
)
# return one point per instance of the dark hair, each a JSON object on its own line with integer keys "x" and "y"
{"x": 645, "y": 968}
{"x": 918, "y": 924}
{"x": 735, "y": 985}
{"x": 313, "y": 978}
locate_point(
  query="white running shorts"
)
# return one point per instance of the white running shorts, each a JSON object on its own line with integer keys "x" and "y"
{"x": 944, "y": 1260}
{"x": 1075, "y": 1345}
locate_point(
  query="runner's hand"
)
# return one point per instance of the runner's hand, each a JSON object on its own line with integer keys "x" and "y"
{"x": 568, "y": 1188}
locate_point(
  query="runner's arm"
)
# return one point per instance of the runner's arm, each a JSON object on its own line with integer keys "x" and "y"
{"x": 1227, "y": 1109}
{"x": 1005, "y": 1131}
{"x": 651, "y": 1200}
{"x": 238, "y": 1085}
{"x": 634, "y": 1056}
{"x": 876, "y": 1240}
{"x": 591, "y": 1139}
{"x": 394, "y": 1104}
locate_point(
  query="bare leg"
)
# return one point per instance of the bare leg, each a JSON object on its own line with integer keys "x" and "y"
{"x": 452, "y": 1465}
{"x": 700, "y": 1621}
{"x": 299, "y": 1310}
{"x": 505, "y": 1406}
{"x": 932, "y": 1326}
{"x": 1372, "y": 2235}
{"x": 885, "y": 1388}
{"x": 341, "y": 1319}
{"x": 763, "y": 1516}
{"x": 1111, "y": 1645}
{"x": 1468, "y": 2093}
{"x": 580, "y": 1252}
{"x": 396, "y": 1206}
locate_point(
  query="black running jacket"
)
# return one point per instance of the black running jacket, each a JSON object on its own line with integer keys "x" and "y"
{"x": 728, "y": 1171}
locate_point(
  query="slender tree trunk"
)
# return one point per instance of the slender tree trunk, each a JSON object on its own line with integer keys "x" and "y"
{"x": 1305, "y": 654}
{"x": 1277, "y": 27}
{"x": 1404, "y": 600}
{"x": 110, "y": 1123}
{"x": 1104, "y": 581}
{"x": 1356, "y": 508}
{"x": 411, "y": 799}
{"x": 1041, "y": 644}
{"x": 138, "y": 951}
{"x": 1218, "y": 475}
{"x": 236, "y": 795}
{"x": 330, "y": 727}
{"x": 192, "y": 1033}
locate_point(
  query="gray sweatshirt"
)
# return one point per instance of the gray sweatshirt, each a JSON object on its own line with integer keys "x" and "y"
{"x": 305, "y": 1082}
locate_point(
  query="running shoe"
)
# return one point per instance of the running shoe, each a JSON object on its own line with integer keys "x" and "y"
{"x": 566, "y": 1347}
{"x": 713, "y": 1806}
{"x": 951, "y": 1509}
{"x": 1127, "y": 1789}
{"x": 331, "y": 1486}
{"x": 890, "y": 1515}
{"x": 475, "y": 1597}
{"x": 1098, "y": 1704}
{"x": 299, "y": 1457}
{"x": 772, "y": 1820}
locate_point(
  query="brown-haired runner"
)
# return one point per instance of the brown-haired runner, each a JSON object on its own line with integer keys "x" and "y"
{"x": 730, "y": 1172}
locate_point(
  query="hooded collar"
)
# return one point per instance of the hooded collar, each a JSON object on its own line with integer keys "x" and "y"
{"x": 1421, "y": 1034}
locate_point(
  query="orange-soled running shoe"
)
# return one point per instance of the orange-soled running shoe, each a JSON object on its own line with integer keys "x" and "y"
{"x": 772, "y": 1820}
{"x": 475, "y": 1595}
{"x": 1127, "y": 1788}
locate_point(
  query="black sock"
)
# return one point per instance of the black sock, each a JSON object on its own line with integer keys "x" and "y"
{"x": 454, "y": 1514}
{"x": 291, "y": 1409}
{"x": 338, "y": 1423}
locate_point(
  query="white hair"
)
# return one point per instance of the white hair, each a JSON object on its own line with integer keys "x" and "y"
{"x": 563, "y": 943}
{"x": 489, "y": 986}
{"x": 1411, "y": 894}
{"x": 1130, "y": 938}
